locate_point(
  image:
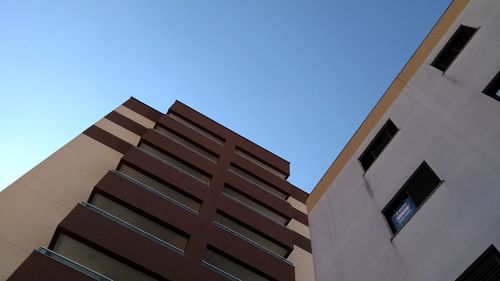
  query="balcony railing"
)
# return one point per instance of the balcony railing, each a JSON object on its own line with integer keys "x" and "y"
{"x": 156, "y": 192}
{"x": 256, "y": 207}
{"x": 174, "y": 163}
{"x": 174, "y": 137}
{"x": 257, "y": 182}
{"x": 242, "y": 237}
{"x": 219, "y": 271}
{"x": 74, "y": 265}
{"x": 132, "y": 227}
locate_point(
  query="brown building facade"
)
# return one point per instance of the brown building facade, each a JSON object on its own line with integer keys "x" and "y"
{"x": 142, "y": 195}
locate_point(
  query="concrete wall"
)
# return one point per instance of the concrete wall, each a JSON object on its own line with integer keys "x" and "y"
{"x": 445, "y": 120}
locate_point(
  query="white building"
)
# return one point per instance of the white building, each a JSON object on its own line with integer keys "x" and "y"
{"x": 415, "y": 194}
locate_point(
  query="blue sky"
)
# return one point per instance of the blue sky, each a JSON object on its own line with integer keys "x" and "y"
{"x": 296, "y": 77}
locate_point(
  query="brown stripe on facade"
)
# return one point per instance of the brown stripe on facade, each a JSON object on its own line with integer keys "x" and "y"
{"x": 107, "y": 139}
{"x": 126, "y": 123}
{"x": 169, "y": 123}
{"x": 251, "y": 255}
{"x": 299, "y": 216}
{"x": 302, "y": 242}
{"x": 218, "y": 129}
{"x": 165, "y": 173}
{"x": 281, "y": 235}
{"x": 110, "y": 238}
{"x": 146, "y": 203}
{"x": 261, "y": 174}
{"x": 272, "y": 202}
{"x": 143, "y": 109}
{"x": 298, "y": 194}
{"x": 42, "y": 268}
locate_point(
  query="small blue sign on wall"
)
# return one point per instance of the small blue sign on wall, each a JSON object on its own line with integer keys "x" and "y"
{"x": 403, "y": 213}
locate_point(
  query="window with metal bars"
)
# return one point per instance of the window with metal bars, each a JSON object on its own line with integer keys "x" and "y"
{"x": 493, "y": 88}
{"x": 453, "y": 48}
{"x": 378, "y": 144}
{"x": 485, "y": 268}
{"x": 411, "y": 196}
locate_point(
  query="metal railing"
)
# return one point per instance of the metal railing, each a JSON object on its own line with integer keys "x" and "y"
{"x": 225, "y": 228}
{"x": 150, "y": 189}
{"x": 74, "y": 265}
{"x": 176, "y": 168}
{"x": 220, "y": 271}
{"x": 132, "y": 227}
{"x": 255, "y": 210}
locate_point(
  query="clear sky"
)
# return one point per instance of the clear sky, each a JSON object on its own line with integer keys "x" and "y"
{"x": 297, "y": 77}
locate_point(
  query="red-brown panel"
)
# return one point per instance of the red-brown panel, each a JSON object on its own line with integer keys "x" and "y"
{"x": 251, "y": 255}
{"x": 298, "y": 194}
{"x": 38, "y": 267}
{"x": 199, "y": 119}
{"x": 299, "y": 216}
{"x": 262, "y": 174}
{"x": 274, "y": 203}
{"x": 212, "y": 126}
{"x": 166, "y": 173}
{"x": 168, "y": 122}
{"x": 281, "y": 234}
{"x": 142, "y": 109}
{"x": 126, "y": 123}
{"x": 107, "y": 139}
{"x": 121, "y": 243}
{"x": 264, "y": 155}
{"x": 146, "y": 202}
{"x": 180, "y": 151}
{"x": 302, "y": 242}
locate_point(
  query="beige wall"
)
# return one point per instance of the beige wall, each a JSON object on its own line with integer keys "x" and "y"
{"x": 303, "y": 262}
{"x": 297, "y": 204}
{"x": 301, "y": 259}
{"x": 32, "y": 206}
{"x": 125, "y": 111}
{"x": 118, "y": 131}
{"x": 299, "y": 227}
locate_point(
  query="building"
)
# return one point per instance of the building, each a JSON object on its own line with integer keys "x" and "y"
{"x": 415, "y": 193}
{"x": 142, "y": 195}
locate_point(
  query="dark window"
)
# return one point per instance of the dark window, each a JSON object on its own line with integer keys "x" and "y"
{"x": 411, "y": 196}
{"x": 378, "y": 144}
{"x": 485, "y": 268}
{"x": 454, "y": 46}
{"x": 493, "y": 88}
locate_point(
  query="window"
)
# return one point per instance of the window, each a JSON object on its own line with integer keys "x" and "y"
{"x": 378, "y": 144}
{"x": 411, "y": 196}
{"x": 493, "y": 88}
{"x": 454, "y": 46}
{"x": 485, "y": 268}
